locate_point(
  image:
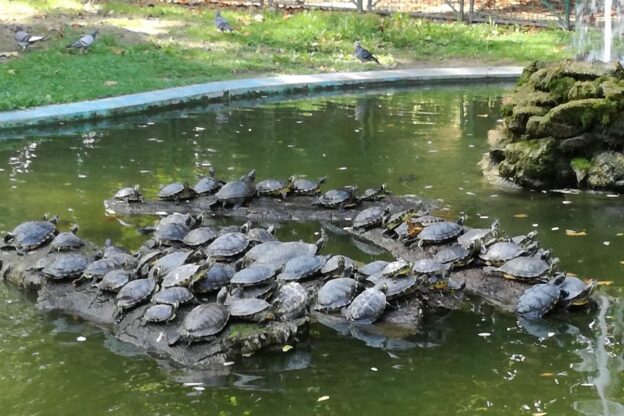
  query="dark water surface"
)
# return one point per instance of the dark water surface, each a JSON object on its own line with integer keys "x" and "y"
{"x": 424, "y": 141}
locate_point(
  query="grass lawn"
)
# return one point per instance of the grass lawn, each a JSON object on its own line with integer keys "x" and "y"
{"x": 142, "y": 48}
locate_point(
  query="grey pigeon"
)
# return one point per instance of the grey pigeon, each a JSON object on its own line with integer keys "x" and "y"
{"x": 364, "y": 55}
{"x": 222, "y": 24}
{"x": 84, "y": 42}
{"x": 25, "y": 39}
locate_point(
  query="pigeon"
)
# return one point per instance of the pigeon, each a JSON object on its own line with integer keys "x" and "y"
{"x": 364, "y": 55}
{"x": 25, "y": 39}
{"x": 84, "y": 42}
{"x": 222, "y": 24}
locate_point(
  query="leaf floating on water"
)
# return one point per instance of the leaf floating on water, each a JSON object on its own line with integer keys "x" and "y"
{"x": 554, "y": 229}
{"x": 547, "y": 375}
{"x": 622, "y": 262}
{"x": 81, "y": 339}
{"x": 539, "y": 414}
{"x": 606, "y": 243}
{"x": 287, "y": 348}
{"x": 573, "y": 233}
{"x": 374, "y": 369}
{"x": 484, "y": 334}
{"x": 323, "y": 398}
{"x": 521, "y": 215}
{"x": 604, "y": 282}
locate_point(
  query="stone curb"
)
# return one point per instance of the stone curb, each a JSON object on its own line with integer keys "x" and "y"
{"x": 243, "y": 88}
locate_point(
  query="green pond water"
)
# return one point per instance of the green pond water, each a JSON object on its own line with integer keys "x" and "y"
{"x": 423, "y": 141}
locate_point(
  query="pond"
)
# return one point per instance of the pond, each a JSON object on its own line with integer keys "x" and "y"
{"x": 424, "y": 141}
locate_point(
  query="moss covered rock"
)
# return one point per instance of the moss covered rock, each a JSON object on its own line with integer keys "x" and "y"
{"x": 516, "y": 122}
{"x": 530, "y": 163}
{"x": 606, "y": 171}
{"x": 584, "y": 89}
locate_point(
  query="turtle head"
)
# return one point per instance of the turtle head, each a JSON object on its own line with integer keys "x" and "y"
{"x": 74, "y": 228}
{"x": 320, "y": 243}
{"x": 532, "y": 235}
{"x": 271, "y": 229}
{"x": 245, "y": 227}
{"x": 347, "y": 270}
{"x": 381, "y": 286}
{"x": 322, "y": 179}
{"x": 222, "y": 295}
{"x": 559, "y": 278}
{"x": 462, "y": 219}
{"x": 495, "y": 227}
{"x": 554, "y": 264}
{"x": 251, "y": 176}
{"x": 475, "y": 246}
{"x": 211, "y": 171}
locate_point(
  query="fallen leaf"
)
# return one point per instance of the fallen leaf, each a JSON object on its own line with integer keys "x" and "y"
{"x": 11, "y": 71}
{"x": 604, "y": 282}
{"x": 520, "y": 215}
{"x": 287, "y": 348}
{"x": 323, "y": 398}
{"x": 621, "y": 261}
{"x": 547, "y": 375}
{"x": 110, "y": 83}
{"x": 573, "y": 233}
{"x": 539, "y": 414}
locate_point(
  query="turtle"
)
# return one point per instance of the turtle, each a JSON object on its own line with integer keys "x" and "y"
{"x": 486, "y": 235}
{"x": 200, "y": 236}
{"x": 114, "y": 280}
{"x": 253, "y": 275}
{"x": 258, "y": 251}
{"x": 302, "y": 267}
{"x": 98, "y": 268}
{"x": 185, "y": 275}
{"x": 395, "y": 287}
{"x": 64, "y": 266}
{"x": 188, "y": 220}
{"x": 538, "y": 300}
{"x": 263, "y": 291}
{"x": 431, "y": 272}
{"x": 227, "y": 246}
{"x": 67, "y": 241}
{"x": 291, "y": 301}
{"x": 217, "y": 276}
{"x": 395, "y": 219}
{"x": 335, "y": 266}
{"x": 523, "y": 240}
{"x": 374, "y": 194}
{"x": 259, "y": 235}
{"x": 245, "y": 309}
{"x": 203, "y": 322}
{"x": 31, "y": 235}
{"x": 336, "y": 294}
{"x": 303, "y": 186}
{"x": 132, "y": 294}
{"x": 457, "y": 255}
{"x": 146, "y": 261}
{"x": 440, "y": 232}
{"x": 177, "y": 192}
{"x": 174, "y": 296}
{"x": 338, "y": 198}
{"x": 371, "y": 217}
{"x": 160, "y": 313}
{"x": 208, "y": 184}
{"x": 501, "y": 252}
{"x": 528, "y": 269}
{"x": 280, "y": 254}
{"x": 275, "y": 187}
{"x": 397, "y": 268}
{"x": 371, "y": 268}
{"x": 235, "y": 193}
{"x": 574, "y": 292}
{"x": 368, "y": 306}
{"x": 171, "y": 233}
{"x": 169, "y": 262}
{"x": 129, "y": 194}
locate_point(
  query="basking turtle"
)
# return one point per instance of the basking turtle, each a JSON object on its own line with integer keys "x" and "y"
{"x": 209, "y": 184}
{"x": 67, "y": 241}
{"x": 371, "y": 268}
{"x": 65, "y": 266}
{"x": 227, "y": 246}
{"x": 147, "y": 260}
{"x": 253, "y": 275}
{"x": 168, "y": 262}
{"x": 275, "y": 187}
{"x": 185, "y": 275}
{"x": 336, "y": 294}
{"x": 371, "y": 217}
{"x": 113, "y": 281}
{"x": 111, "y": 250}
{"x": 217, "y": 276}
{"x": 335, "y": 266}
{"x": 246, "y": 309}
{"x": 174, "y": 296}
{"x": 368, "y": 306}
{"x": 432, "y": 273}
{"x": 171, "y": 233}
{"x": 188, "y": 220}
{"x": 395, "y": 220}
{"x": 291, "y": 301}
{"x": 538, "y": 300}
{"x": 338, "y": 198}
{"x": 528, "y": 269}
{"x": 31, "y": 235}
{"x": 374, "y": 194}
{"x": 177, "y": 192}
{"x": 259, "y": 235}
{"x": 486, "y": 235}
{"x": 260, "y": 250}
{"x": 280, "y": 254}
{"x": 440, "y": 232}
{"x": 457, "y": 255}
{"x": 397, "y": 268}
{"x": 203, "y": 322}
{"x": 302, "y": 267}
{"x": 574, "y": 292}
{"x": 303, "y": 186}
{"x": 157, "y": 314}
{"x": 395, "y": 287}
{"x": 200, "y": 237}
{"x": 129, "y": 194}
{"x": 97, "y": 269}
{"x": 523, "y": 240}
{"x": 132, "y": 294}
{"x": 501, "y": 252}
{"x": 235, "y": 193}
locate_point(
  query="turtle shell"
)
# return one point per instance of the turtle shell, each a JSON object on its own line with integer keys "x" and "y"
{"x": 185, "y": 275}
{"x": 204, "y": 321}
{"x": 98, "y": 268}
{"x": 371, "y": 268}
{"x": 261, "y": 235}
{"x": 114, "y": 280}
{"x": 147, "y": 260}
{"x": 370, "y": 217}
{"x": 200, "y": 236}
{"x": 176, "y": 191}
{"x": 303, "y": 186}
{"x": 66, "y": 241}
{"x": 439, "y": 232}
{"x": 335, "y": 198}
{"x": 169, "y": 262}
{"x": 395, "y": 287}
{"x": 333, "y": 265}
{"x": 31, "y": 234}
{"x": 574, "y": 292}
{"x": 129, "y": 194}
{"x": 207, "y": 185}
{"x": 254, "y": 275}
{"x": 66, "y": 266}
{"x": 538, "y": 300}
{"x": 173, "y": 296}
{"x": 291, "y": 301}
{"x": 247, "y": 308}
{"x": 159, "y": 313}
{"x": 368, "y": 306}
{"x": 501, "y": 252}
{"x": 525, "y": 268}
{"x": 260, "y": 250}
{"x": 215, "y": 278}
{"x": 133, "y": 293}
{"x": 274, "y": 187}
{"x": 373, "y": 194}
{"x": 428, "y": 266}
{"x": 228, "y": 245}
{"x": 238, "y": 191}
{"x": 188, "y": 220}
{"x": 171, "y": 233}
{"x": 396, "y": 268}
{"x": 302, "y": 267}
{"x": 455, "y": 255}
{"x": 479, "y": 234}
{"x": 279, "y": 254}
{"x": 336, "y": 294}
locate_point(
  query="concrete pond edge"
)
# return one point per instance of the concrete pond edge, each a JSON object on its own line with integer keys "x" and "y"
{"x": 223, "y": 91}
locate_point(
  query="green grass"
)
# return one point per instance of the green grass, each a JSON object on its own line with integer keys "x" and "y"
{"x": 190, "y": 50}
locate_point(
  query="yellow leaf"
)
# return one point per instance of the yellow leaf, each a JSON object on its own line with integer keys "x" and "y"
{"x": 539, "y": 414}
{"x": 323, "y": 398}
{"x": 573, "y": 233}
{"x": 547, "y": 375}
{"x": 604, "y": 282}
{"x": 287, "y": 348}
{"x": 520, "y": 215}
{"x": 110, "y": 83}
{"x": 11, "y": 71}
{"x": 621, "y": 261}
